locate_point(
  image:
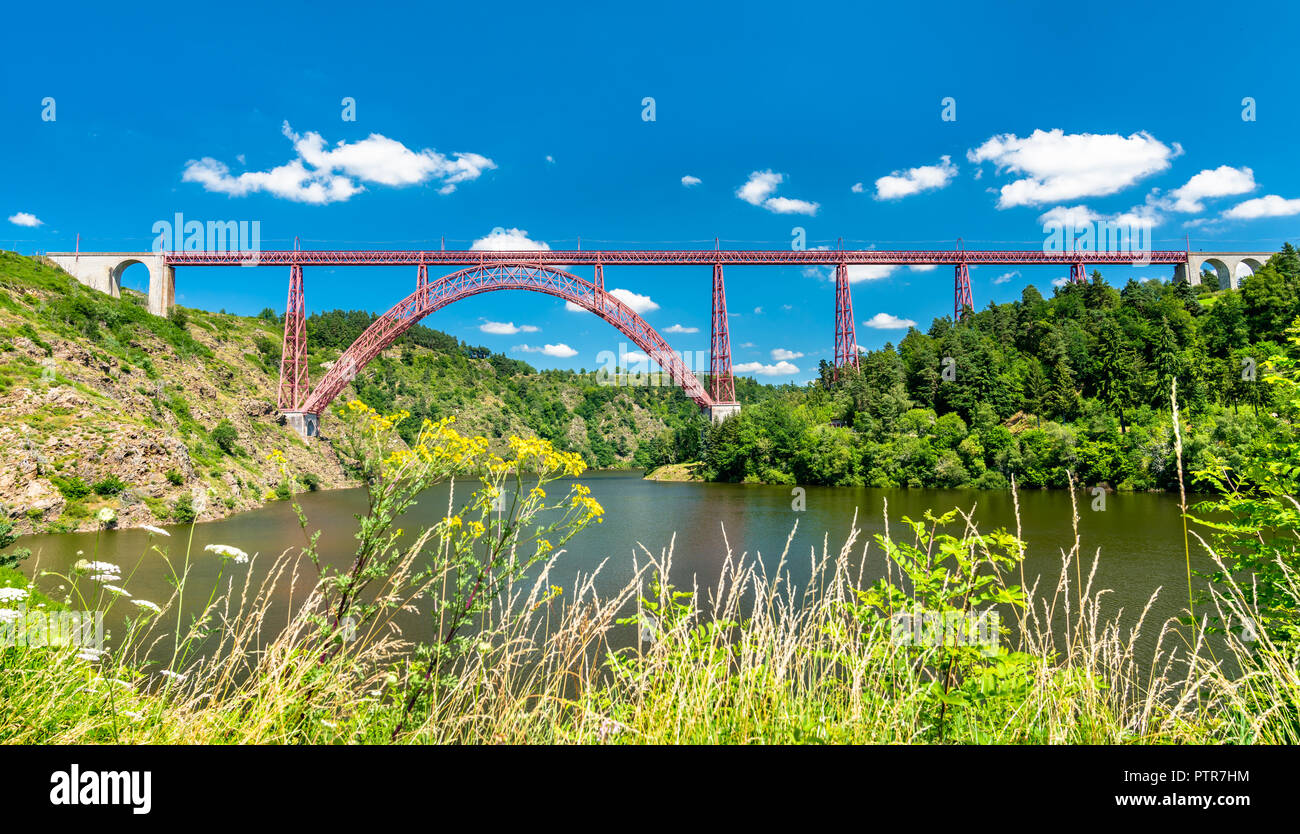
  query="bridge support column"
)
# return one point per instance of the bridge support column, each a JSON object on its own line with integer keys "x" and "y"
{"x": 1183, "y": 272}
{"x": 1078, "y": 274}
{"x": 722, "y": 386}
{"x": 961, "y": 295}
{"x": 162, "y": 288}
{"x": 846, "y": 335}
{"x": 293, "y": 356}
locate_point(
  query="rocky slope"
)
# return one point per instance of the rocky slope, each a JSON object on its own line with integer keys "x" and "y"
{"x": 103, "y": 406}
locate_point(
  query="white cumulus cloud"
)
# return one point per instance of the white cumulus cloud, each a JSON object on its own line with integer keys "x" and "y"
{"x": 677, "y": 328}
{"x": 1073, "y": 217}
{"x": 509, "y": 240}
{"x": 1056, "y": 166}
{"x": 22, "y": 218}
{"x": 638, "y": 303}
{"x": 1224, "y": 181}
{"x": 321, "y": 175}
{"x": 884, "y": 321}
{"x": 857, "y": 272}
{"x": 505, "y": 328}
{"x": 760, "y": 188}
{"x": 689, "y": 180}
{"x": 1007, "y": 276}
{"x": 915, "y": 180}
{"x": 779, "y": 369}
{"x": 1068, "y": 217}
{"x": 869, "y": 272}
{"x": 782, "y": 353}
{"x": 785, "y": 205}
{"x": 1270, "y": 205}
{"x": 560, "y": 351}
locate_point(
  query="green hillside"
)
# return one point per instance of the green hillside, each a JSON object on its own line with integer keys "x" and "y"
{"x": 1037, "y": 389}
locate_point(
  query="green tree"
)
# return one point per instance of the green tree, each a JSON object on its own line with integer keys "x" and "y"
{"x": 226, "y": 437}
{"x": 1116, "y": 370}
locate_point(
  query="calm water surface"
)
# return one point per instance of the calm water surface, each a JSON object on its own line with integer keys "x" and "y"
{"x": 1139, "y": 536}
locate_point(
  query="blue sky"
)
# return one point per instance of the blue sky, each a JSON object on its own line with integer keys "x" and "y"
{"x": 530, "y": 120}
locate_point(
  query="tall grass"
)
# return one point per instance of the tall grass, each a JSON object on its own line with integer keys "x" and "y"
{"x": 751, "y": 660}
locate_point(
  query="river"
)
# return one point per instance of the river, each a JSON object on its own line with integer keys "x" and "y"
{"x": 1139, "y": 535}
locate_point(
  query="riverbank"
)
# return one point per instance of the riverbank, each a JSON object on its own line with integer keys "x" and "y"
{"x": 679, "y": 472}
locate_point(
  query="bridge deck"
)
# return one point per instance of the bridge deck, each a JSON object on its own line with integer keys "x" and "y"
{"x": 675, "y": 257}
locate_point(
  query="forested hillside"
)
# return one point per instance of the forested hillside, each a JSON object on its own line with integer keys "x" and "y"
{"x": 1036, "y": 388}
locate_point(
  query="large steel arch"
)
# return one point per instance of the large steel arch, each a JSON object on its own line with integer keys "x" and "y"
{"x": 490, "y": 277}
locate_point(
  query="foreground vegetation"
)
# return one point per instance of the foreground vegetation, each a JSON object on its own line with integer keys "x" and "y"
{"x": 749, "y": 659}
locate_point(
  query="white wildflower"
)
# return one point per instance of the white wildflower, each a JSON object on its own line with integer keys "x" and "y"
{"x": 13, "y": 594}
{"x": 119, "y": 591}
{"x": 226, "y": 551}
{"x": 83, "y": 566}
{"x": 168, "y": 673}
{"x": 144, "y": 603}
{"x": 157, "y": 531}
{"x": 106, "y": 515}
{"x": 90, "y": 654}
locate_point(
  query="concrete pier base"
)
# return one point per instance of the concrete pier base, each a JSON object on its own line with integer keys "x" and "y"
{"x": 721, "y": 411}
{"x": 303, "y": 422}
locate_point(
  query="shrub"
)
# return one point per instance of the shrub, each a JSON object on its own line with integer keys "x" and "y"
{"x": 310, "y": 480}
{"x": 73, "y": 489}
{"x": 224, "y": 435}
{"x": 8, "y": 537}
{"x": 174, "y": 478}
{"x": 183, "y": 509}
{"x": 110, "y": 485}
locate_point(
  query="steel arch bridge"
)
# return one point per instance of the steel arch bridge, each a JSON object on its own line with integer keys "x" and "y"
{"x": 545, "y": 271}
{"x": 431, "y": 296}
